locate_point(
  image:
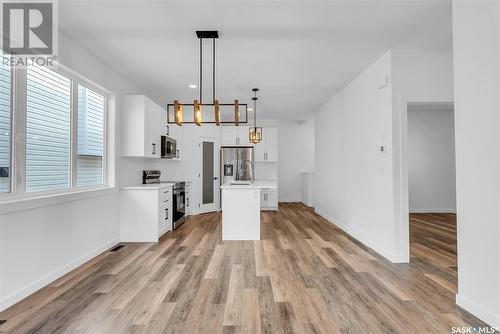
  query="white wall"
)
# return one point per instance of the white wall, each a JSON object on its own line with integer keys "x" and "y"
{"x": 361, "y": 189}
{"x": 476, "y": 40}
{"x": 290, "y": 161}
{"x": 431, "y": 159}
{"x": 353, "y": 182}
{"x": 418, "y": 76}
{"x": 307, "y": 161}
{"x": 39, "y": 245}
{"x": 295, "y": 155}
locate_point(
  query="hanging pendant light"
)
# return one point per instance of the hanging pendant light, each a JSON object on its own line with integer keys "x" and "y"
{"x": 236, "y": 113}
{"x": 215, "y": 106}
{"x": 197, "y": 113}
{"x": 178, "y": 113}
{"x": 255, "y": 133}
{"x": 217, "y": 112}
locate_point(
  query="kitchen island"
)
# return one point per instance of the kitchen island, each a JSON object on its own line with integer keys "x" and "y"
{"x": 241, "y": 210}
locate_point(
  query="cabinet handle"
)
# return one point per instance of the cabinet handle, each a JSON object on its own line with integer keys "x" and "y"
{"x": 265, "y": 156}
{"x": 177, "y": 155}
{"x": 166, "y": 214}
{"x": 237, "y": 140}
{"x": 187, "y": 201}
{"x": 154, "y": 148}
{"x": 265, "y": 197}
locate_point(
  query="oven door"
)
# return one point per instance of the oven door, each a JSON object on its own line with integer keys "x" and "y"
{"x": 179, "y": 206}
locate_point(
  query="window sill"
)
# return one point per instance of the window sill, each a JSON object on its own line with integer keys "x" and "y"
{"x": 29, "y": 203}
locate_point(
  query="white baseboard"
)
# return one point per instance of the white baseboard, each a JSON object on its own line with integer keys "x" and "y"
{"x": 470, "y": 306}
{"x": 289, "y": 200}
{"x": 309, "y": 204}
{"x": 363, "y": 237}
{"x": 433, "y": 211}
{"x": 51, "y": 277}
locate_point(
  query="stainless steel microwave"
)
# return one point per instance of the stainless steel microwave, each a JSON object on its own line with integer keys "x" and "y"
{"x": 168, "y": 148}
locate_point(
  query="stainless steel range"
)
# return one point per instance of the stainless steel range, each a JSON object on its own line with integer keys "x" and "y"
{"x": 178, "y": 195}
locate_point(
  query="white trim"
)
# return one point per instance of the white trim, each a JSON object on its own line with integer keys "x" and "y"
{"x": 403, "y": 186}
{"x": 215, "y": 206}
{"x": 364, "y": 237}
{"x": 433, "y": 211}
{"x": 51, "y": 277}
{"x": 29, "y": 203}
{"x": 470, "y": 306}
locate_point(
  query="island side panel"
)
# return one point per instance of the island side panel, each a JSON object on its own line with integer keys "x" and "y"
{"x": 240, "y": 214}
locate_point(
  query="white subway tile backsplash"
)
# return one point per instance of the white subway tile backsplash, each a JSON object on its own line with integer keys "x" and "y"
{"x": 266, "y": 170}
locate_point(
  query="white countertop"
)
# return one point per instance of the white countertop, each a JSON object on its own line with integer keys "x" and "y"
{"x": 153, "y": 186}
{"x": 254, "y": 185}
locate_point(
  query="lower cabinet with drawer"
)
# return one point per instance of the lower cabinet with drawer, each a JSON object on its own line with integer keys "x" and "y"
{"x": 269, "y": 199}
{"x": 146, "y": 213}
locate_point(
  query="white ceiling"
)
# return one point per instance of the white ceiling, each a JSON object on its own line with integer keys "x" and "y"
{"x": 297, "y": 52}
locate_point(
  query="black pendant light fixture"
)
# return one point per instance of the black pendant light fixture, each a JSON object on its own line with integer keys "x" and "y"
{"x": 255, "y": 133}
{"x": 207, "y": 113}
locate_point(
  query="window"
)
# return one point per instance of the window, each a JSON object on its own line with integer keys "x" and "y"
{"x": 89, "y": 168}
{"x": 48, "y": 130}
{"x": 60, "y": 124}
{"x": 5, "y": 127}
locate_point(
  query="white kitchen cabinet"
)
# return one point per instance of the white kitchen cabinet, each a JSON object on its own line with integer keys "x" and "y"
{"x": 267, "y": 149}
{"x": 259, "y": 151}
{"x": 269, "y": 199}
{"x": 235, "y": 136}
{"x": 270, "y": 137}
{"x": 146, "y": 212}
{"x": 143, "y": 123}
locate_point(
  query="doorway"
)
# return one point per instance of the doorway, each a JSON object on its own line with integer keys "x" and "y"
{"x": 430, "y": 146}
{"x": 209, "y": 151}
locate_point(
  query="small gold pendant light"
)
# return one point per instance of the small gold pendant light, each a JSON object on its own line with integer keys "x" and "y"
{"x": 255, "y": 133}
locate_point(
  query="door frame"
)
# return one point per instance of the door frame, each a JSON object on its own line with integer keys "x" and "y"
{"x": 215, "y": 206}
{"x": 402, "y": 184}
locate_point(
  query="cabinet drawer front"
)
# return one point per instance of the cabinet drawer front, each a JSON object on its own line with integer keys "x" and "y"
{"x": 165, "y": 194}
{"x": 164, "y": 213}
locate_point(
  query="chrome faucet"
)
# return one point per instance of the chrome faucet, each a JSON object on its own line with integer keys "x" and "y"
{"x": 251, "y": 167}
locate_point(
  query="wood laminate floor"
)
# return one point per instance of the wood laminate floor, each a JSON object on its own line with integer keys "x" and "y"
{"x": 304, "y": 276}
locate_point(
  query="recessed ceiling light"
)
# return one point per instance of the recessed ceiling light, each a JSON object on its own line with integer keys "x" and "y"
{"x": 250, "y": 109}
{"x": 192, "y": 86}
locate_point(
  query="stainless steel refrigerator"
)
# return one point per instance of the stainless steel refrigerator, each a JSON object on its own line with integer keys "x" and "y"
{"x": 236, "y": 164}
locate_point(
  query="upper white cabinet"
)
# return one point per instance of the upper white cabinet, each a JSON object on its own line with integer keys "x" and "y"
{"x": 235, "y": 136}
{"x": 267, "y": 149}
{"x": 143, "y": 122}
